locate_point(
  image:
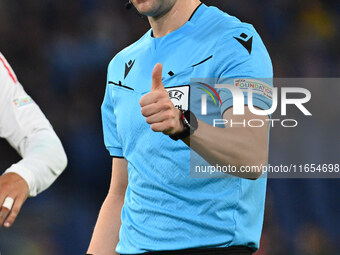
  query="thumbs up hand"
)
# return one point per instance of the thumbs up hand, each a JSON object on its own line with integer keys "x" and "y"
{"x": 158, "y": 109}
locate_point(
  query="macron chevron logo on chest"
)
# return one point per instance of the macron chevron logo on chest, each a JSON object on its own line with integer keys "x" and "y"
{"x": 128, "y": 67}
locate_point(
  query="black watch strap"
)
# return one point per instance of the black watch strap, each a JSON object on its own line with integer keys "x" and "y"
{"x": 190, "y": 125}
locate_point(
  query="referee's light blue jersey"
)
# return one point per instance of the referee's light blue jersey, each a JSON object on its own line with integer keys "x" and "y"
{"x": 164, "y": 208}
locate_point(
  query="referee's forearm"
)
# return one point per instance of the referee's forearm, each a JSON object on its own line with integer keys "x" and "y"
{"x": 106, "y": 233}
{"x": 237, "y": 147}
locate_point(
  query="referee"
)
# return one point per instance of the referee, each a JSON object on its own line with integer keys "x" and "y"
{"x": 152, "y": 113}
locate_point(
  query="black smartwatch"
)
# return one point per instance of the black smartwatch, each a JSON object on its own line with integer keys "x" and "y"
{"x": 190, "y": 125}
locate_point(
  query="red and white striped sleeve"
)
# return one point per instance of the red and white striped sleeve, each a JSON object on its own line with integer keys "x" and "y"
{"x": 28, "y": 131}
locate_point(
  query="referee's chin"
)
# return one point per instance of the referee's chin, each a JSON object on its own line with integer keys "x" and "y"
{"x": 146, "y": 7}
{"x": 153, "y": 8}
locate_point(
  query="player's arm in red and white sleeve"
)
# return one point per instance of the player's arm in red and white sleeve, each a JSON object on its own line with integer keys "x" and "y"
{"x": 26, "y": 128}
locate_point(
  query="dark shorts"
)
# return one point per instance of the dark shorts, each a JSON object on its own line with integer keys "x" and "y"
{"x": 233, "y": 250}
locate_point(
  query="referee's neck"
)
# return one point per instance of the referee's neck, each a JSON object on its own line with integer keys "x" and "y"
{"x": 176, "y": 17}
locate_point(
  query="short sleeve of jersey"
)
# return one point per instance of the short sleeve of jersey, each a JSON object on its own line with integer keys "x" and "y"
{"x": 242, "y": 60}
{"x": 111, "y": 140}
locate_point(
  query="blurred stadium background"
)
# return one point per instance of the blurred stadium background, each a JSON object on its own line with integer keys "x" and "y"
{"x": 60, "y": 51}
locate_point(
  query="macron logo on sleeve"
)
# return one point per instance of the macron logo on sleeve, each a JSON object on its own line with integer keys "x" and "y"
{"x": 248, "y": 44}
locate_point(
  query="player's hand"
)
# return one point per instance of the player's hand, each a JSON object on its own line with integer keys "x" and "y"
{"x": 14, "y": 186}
{"x": 158, "y": 109}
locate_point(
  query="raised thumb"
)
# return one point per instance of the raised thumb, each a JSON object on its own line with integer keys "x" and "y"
{"x": 157, "y": 77}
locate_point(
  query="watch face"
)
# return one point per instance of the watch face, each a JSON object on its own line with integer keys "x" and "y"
{"x": 192, "y": 120}
{"x": 190, "y": 125}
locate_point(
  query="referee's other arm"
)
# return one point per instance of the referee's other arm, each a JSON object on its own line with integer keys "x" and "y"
{"x": 106, "y": 232}
{"x": 239, "y": 146}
